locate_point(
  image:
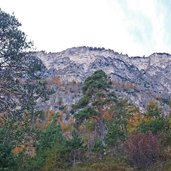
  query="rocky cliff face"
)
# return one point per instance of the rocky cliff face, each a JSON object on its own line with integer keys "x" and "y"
{"x": 138, "y": 79}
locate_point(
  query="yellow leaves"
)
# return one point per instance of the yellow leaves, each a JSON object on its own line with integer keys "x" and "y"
{"x": 134, "y": 122}
{"x": 19, "y": 125}
{"x": 48, "y": 118}
{"x": 66, "y": 127}
{"x": 60, "y": 116}
{"x": 136, "y": 119}
{"x": 148, "y": 119}
{"x": 3, "y": 117}
{"x": 88, "y": 126}
{"x": 26, "y": 115}
{"x": 153, "y": 109}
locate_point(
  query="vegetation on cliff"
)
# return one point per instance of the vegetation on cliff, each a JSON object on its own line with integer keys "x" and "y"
{"x": 103, "y": 131}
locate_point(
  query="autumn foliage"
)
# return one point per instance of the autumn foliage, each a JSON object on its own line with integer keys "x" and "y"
{"x": 143, "y": 149}
{"x": 101, "y": 125}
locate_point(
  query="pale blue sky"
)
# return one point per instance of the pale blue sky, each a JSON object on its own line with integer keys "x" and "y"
{"x": 133, "y": 27}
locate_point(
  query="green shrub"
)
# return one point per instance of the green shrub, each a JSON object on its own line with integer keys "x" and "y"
{"x": 155, "y": 126}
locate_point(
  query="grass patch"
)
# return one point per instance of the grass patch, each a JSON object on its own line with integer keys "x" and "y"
{"x": 106, "y": 164}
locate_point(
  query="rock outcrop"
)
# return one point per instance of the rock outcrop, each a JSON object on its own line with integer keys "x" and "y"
{"x": 138, "y": 79}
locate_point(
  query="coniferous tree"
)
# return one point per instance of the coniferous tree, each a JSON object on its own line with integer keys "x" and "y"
{"x": 20, "y": 72}
{"x": 21, "y": 85}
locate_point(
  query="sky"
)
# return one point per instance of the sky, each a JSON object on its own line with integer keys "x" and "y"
{"x": 133, "y": 27}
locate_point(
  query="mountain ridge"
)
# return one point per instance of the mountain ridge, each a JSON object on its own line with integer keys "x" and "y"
{"x": 148, "y": 76}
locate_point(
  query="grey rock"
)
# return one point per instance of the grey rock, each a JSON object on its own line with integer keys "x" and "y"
{"x": 138, "y": 79}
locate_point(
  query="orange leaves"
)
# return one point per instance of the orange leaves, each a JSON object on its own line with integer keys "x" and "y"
{"x": 107, "y": 116}
{"x": 66, "y": 126}
{"x": 18, "y": 149}
{"x": 56, "y": 80}
{"x": 28, "y": 149}
{"x": 124, "y": 85}
{"x": 60, "y": 116}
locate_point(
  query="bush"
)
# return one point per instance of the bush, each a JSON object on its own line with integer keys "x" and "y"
{"x": 143, "y": 149}
{"x": 114, "y": 134}
{"x": 98, "y": 147}
{"x": 166, "y": 138}
{"x": 155, "y": 126}
{"x": 153, "y": 110}
{"x": 51, "y": 150}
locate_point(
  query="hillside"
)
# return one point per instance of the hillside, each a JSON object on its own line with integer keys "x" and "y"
{"x": 138, "y": 79}
{"x": 82, "y": 109}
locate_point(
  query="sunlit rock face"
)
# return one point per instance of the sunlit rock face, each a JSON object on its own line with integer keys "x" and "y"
{"x": 138, "y": 79}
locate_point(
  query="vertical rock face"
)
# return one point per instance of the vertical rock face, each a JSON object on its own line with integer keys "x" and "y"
{"x": 138, "y": 79}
